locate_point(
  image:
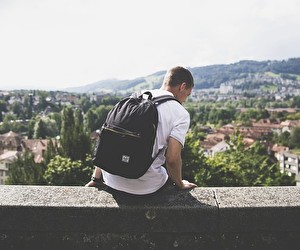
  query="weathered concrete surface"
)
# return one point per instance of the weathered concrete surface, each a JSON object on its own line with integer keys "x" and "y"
{"x": 47, "y": 217}
{"x": 259, "y": 208}
{"x": 64, "y": 208}
{"x": 259, "y": 218}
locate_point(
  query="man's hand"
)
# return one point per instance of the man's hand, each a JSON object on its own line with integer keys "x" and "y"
{"x": 187, "y": 185}
{"x": 96, "y": 180}
{"x": 91, "y": 184}
{"x": 95, "y": 184}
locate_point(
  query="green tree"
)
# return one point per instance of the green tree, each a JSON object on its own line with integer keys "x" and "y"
{"x": 200, "y": 115}
{"x": 28, "y": 105}
{"x": 284, "y": 138}
{"x": 82, "y": 141}
{"x": 67, "y": 132}
{"x": 101, "y": 112}
{"x": 221, "y": 116}
{"x": 91, "y": 121}
{"x": 45, "y": 127}
{"x": 85, "y": 103}
{"x": 246, "y": 116}
{"x": 295, "y": 138}
{"x": 57, "y": 118}
{"x": 241, "y": 166}
{"x": 40, "y": 131}
{"x": 10, "y": 124}
{"x": 189, "y": 156}
{"x": 295, "y": 116}
{"x": 74, "y": 140}
{"x": 295, "y": 102}
{"x": 25, "y": 171}
{"x": 64, "y": 171}
{"x": 95, "y": 118}
{"x": 30, "y": 128}
{"x": 42, "y": 95}
{"x": 3, "y": 109}
{"x": 195, "y": 168}
{"x": 17, "y": 109}
{"x": 52, "y": 150}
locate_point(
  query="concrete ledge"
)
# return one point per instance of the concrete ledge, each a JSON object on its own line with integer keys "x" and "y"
{"x": 48, "y": 217}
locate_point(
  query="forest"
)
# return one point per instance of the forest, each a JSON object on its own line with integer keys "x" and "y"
{"x": 68, "y": 128}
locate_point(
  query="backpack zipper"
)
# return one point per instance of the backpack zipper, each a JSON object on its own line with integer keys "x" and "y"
{"x": 122, "y": 132}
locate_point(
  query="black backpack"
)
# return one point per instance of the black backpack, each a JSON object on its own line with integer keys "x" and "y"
{"x": 125, "y": 143}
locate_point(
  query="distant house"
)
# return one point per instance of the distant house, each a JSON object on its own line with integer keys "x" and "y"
{"x": 288, "y": 125}
{"x": 6, "y": 159}
{"x": 218, "y": 148}
{"x": 279, "y": 150}
{"x": 10, "y": 141}
{"x": 248, "y": 142}
{"x": 211, "y": 141}
{"x": 217, "y": 136}
{"x": 226, "y": 88}
{"x": 267, "y": 126}
{"x": 97, "y": 97}
{"x": 290, "y": 163}
{"x": 37, "y": 147}
{"x": 12, "y": 144}
{"x": 288, "y": 110}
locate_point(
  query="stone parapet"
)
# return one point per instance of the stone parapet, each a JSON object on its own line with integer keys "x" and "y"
{"x": 54, "y": 217}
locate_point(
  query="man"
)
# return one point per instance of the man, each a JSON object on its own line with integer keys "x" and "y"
{"x": 173, "y": 124}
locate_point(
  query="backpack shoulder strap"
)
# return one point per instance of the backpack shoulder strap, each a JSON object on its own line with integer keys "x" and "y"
{"x": 163, "y": 98}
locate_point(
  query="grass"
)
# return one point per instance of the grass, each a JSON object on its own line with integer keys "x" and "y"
{"x": 295, "y": 151}
{"x": 269, "y": 88}
{"x": 271, "y": 74}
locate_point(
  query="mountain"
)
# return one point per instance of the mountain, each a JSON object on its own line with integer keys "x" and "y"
{"x": 211, "y": 76}
{"x": 114, "y": 85}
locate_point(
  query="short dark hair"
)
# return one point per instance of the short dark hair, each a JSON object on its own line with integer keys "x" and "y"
{"x": 177, "y": 75}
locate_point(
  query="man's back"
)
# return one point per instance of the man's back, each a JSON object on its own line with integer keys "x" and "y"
{"x": 173, "y": 120}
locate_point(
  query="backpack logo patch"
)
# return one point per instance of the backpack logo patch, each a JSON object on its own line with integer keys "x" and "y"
{"x": 125, "y": 158}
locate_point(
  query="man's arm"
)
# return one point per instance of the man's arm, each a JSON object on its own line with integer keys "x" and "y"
{"x": 96, "y": 179}
{"x": 174, "y": 164}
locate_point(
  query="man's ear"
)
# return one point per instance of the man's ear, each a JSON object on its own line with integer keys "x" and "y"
{"x": 182, "y": 86}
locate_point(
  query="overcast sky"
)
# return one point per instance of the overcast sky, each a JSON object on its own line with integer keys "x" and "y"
{"x": 60, "y": 43}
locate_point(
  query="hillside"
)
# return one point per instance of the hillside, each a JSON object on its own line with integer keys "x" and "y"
{"x": 205, "y": 77}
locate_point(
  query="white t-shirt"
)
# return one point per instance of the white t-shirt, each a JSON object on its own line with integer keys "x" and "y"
{"x": 173, "y": 121}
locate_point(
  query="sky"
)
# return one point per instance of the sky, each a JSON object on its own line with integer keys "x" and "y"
{"x": 55, "y": 44}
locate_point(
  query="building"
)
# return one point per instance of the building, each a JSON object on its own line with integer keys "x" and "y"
{"x": 37, "y": 146}
{"x": 5, "y": 160}
{"x": 12, "y": 144}
{"x": 10, "y": 141}
{"x": 218, "y": 148}
{"x": 290, "y": 163}
{"x": 226, "y": 88}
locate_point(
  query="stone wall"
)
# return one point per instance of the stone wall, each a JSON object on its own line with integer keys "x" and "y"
{"x": 52, "y": 217}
